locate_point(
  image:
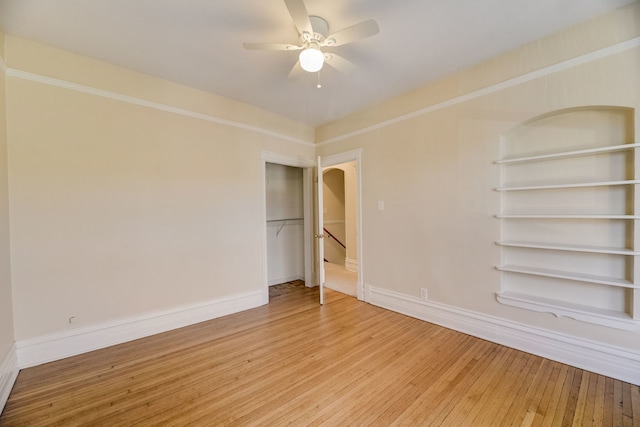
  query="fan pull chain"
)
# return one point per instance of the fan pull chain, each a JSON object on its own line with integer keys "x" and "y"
{"x": 319, "y": 85}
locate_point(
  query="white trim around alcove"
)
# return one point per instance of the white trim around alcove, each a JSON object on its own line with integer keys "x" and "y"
{"x": 619, "y": 363}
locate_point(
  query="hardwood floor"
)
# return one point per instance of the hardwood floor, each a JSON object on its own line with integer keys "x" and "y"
{"x": 295, "y": 363}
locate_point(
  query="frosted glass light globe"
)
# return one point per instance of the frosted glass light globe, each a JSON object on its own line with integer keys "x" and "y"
{"x": 311, "y": 59}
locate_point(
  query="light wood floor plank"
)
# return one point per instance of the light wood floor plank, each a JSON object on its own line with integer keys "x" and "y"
{"x": 489, "y": 362}
{"x": 618, "y": 416}
{"x": 598, "y": 410}
{"x": 293, "y": 362}
{"x": 581, "y": 402}
{"x": 524, "y": 410}
{"x": 500, "y": 392}
{"x": 555, "y": 387}
{"x": 516, "y": 409}
{"x": 590, "y": 402}
{"x": 435, "y": 394}
{"x": 635, "y": 402}
{"x": 486, "y": 384}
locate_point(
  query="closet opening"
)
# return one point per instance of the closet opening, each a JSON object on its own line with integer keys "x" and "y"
{"x": 287, "y": 222}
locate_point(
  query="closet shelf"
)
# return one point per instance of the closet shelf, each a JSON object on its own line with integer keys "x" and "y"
{"x": 576, "y": 153}
{"x": 565, "y": 216}
{"x": 574, "y": 185}
{"x": 285, "y": 219}
{"x": 578, "y": 277}
{"x": 282, "y": 223}
{"x": 599, "y": 316}
{"x": 569, "y": 248}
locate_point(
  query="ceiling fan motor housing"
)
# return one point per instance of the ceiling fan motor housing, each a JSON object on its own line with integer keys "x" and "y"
{"x": 320, "y": 31}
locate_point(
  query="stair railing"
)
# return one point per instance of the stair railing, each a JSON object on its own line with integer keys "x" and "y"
{"x": 334, "y": 237}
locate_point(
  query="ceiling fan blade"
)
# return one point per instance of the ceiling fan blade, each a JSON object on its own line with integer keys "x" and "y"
{"x": 271, "y": 46}
{"x": 296, "y": 72}
{"x": 300, "y": 16}
{"x": 339, "y": 63}
{"x": 355, "y": 32}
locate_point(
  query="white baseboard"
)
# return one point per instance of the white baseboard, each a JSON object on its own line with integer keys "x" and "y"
{"x": 614, "y": 362}
{"x": 8, "y": 375}
{"x": 47, "y": 348}
{"x": 273, "y": 282}
{"x": 351, "y": 264}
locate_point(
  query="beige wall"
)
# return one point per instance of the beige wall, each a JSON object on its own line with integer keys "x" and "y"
{"x": 6, "y": 309}
{"x": 120, "y": 209}
{"x": 435, "y": 170}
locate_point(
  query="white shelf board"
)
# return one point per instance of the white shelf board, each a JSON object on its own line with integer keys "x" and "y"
{"x": 569, "y": 154}
{"x": 579, "y": 277}
{"x": 559, "y": 308}
{"x": 574, "y": 185}
{"x": 569, "y": 248}
{"x": 567, "y": 216}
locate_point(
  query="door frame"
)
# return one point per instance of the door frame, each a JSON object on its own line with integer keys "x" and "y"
{"x": 346, "y": 157}
{"x": 307, "y": 166}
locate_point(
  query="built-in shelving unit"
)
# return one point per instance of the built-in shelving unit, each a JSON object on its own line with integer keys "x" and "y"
{"x": 570, "y": 217}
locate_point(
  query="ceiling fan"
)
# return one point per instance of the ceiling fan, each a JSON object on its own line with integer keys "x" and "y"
{"x": 314, "y": 36}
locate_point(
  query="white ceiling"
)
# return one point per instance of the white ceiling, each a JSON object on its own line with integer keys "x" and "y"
{"x": 199, "y": 42}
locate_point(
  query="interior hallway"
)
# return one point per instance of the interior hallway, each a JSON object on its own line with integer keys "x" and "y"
{"x": 340, "y": 279}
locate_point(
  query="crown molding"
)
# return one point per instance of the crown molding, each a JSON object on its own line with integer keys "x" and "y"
{"x": 38, "y": 78}
{"x": 551, "y": 69}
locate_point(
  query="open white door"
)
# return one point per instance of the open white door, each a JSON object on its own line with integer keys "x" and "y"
{"x": 320, "y": 233}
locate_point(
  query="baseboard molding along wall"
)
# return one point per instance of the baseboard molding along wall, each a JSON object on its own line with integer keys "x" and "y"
{"x": 8, "y": 375}
{"x": 351, "y": 264}
{"x": 618, "y": 363}
{"x": 47, "y": 348}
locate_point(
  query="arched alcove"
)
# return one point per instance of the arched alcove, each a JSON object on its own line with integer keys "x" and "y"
{"x": 569, "y": 216}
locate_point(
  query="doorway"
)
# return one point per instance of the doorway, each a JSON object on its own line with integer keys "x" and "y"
{"x": 344, "y": 196}
{"x": 339, "y": 228}
{"x": 285, "y": 224}
{"x": 287, "y": 218}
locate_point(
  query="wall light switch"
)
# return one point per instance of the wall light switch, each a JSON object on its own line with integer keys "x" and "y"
{"x": 380, "y": 205}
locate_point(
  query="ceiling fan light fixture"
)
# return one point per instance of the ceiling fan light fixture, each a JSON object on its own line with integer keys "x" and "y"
{"x": 311, "y": 59}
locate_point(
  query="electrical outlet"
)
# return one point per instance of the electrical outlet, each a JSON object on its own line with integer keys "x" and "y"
{"x": 423, "y": 293}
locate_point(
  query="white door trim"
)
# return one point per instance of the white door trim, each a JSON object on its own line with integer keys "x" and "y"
{"x": 307, "y": 166}
{"x": 345, "y": 157}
